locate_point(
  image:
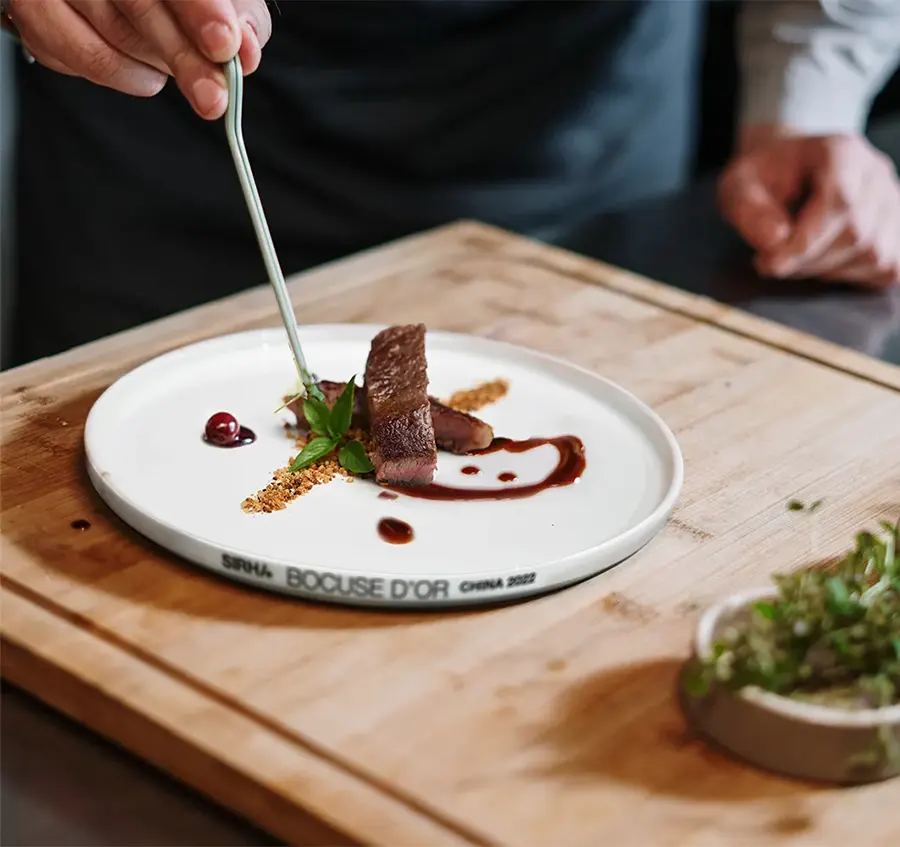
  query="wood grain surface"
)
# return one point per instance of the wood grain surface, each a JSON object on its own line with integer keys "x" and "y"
{"x": 550, "y": 722}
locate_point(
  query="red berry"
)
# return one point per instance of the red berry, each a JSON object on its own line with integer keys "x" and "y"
{"x": 222, "y": 428}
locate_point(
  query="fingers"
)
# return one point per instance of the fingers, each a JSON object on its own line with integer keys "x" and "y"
{"x": 847, "y": 229}
{"x": 61, "y": 39}
{"x": 49, "y": 62}
{"x": 858, "y": 232}
{"x": 251, "y": 51}
{"x": 220, "y": 28}
{"x": 211, "y": 26}
{"x": 106, "y": 18}
{"x": 256, "y": 13}
{"x": 819, "y": 224}
{"x": 748, "y": 204}
{"x": 876, "y": 263}
{"x": 199, "y": 78}
{"x": 838, "y": 175}
{"x": 867, "y": 274}
{"x": 256, "y": 25}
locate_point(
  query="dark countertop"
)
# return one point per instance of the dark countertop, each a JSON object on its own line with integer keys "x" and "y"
{"x": 62, "y": 785}
{"x": 682, "y": 241}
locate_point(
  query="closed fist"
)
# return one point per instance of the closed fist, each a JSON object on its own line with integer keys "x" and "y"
{"x": 133, "y": 46}
{"x": 847, "y": 226}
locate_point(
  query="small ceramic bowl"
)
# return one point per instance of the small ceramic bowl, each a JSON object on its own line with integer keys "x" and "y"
{"x": 788, "y": 736}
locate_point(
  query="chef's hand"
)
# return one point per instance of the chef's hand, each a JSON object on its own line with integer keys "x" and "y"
{"x": 848, "y": 226}
{"x": 133, "y": 46}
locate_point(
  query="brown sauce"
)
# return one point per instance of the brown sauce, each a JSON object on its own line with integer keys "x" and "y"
{"x": 569, "y": 468}
{"x": 507, "y": 476}
{"x": 470, "y": 470}
{"x": 395, "y": 531}
{"x": 81, "y": 524}
{"x": 387, "y": 495}
{"x": 245, "y": 435}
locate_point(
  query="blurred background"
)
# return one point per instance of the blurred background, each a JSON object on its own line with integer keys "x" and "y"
{"x": 718, "y": 102}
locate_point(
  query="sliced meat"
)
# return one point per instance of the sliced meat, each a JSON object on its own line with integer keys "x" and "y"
{"x": 459, "y": 432}
{"x": 404, "y": 451}
{"x": 454, "y": 431}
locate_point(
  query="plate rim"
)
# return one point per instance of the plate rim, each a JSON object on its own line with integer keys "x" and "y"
{"x": 632, "y": 539}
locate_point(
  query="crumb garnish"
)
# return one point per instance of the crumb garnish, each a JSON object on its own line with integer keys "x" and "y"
{"x": 286, "y": 486}
{"x": 473, "y": 399}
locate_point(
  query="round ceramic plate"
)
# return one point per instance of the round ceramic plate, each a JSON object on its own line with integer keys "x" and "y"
{"x": 148, "y": 460}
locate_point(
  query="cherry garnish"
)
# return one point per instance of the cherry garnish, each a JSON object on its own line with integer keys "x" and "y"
{"x": 223, "y": 430}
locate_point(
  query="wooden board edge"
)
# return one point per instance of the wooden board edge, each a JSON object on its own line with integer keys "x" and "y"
{"x": 442, "y": 241}
{"x": 122, "y": 704}
{"x": 704, "y": 309}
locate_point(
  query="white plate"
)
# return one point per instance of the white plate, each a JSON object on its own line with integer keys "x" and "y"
{"x": 148, "y": 461}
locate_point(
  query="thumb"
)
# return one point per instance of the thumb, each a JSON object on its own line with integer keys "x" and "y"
{"x": 749, "y": 205}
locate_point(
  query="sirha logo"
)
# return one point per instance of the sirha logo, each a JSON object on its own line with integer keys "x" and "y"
{"x": 246, "y": 566}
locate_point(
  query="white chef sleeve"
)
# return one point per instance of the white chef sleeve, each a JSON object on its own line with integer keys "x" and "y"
{"x": 815, "y": 65}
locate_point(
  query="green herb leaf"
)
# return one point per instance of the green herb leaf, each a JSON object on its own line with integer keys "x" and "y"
{"x": 795, "y": 506}
{"x": 353, "y": 457}
{"x": 314, "y": 391}
{"x": 766, "y": 609}
{"x": 312, "y": 452}
{"x": 839, "y": 598}
{"x": 342, "y": 413}
{"x": 317, "y": 415}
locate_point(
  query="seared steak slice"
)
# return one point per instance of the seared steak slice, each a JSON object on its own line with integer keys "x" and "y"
{"x": 459, "y": 432}
{"x": 454, "y": 431}
{"x": 400, "y": 424}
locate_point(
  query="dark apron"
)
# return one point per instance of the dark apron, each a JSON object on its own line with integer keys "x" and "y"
{"x": 366, "y": 121}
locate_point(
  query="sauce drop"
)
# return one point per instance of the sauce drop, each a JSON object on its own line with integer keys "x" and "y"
{"x": 569, "y": 468}
{"x": 470, "y": 470}
{"x": 223, "y": 430}
{"x": 387, "y": 495}
{"x": 80, "y": 524}
{"x": 395, "y": 531}
{"x": 507, "y": 476}
{"x": 245, "y": 435}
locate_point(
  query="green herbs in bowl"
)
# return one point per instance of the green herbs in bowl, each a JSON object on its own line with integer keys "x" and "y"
{"x": 804, "y": 677}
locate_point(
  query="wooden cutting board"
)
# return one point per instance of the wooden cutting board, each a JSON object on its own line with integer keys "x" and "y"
{"x": 549, "y": 722}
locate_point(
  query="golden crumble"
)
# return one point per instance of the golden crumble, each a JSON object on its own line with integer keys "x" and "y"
{"x": 473, "y": 399}
{"x": 286, "y": 486}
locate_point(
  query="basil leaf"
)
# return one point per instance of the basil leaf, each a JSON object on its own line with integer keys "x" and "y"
{"x": 342, "y": 413}
{"x": 312, "y": 452}
{"x": 353, "y": 457}
{"x": 317, "y": 415}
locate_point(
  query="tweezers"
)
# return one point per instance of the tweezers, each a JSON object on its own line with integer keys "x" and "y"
{"x": 234, "y": 76}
